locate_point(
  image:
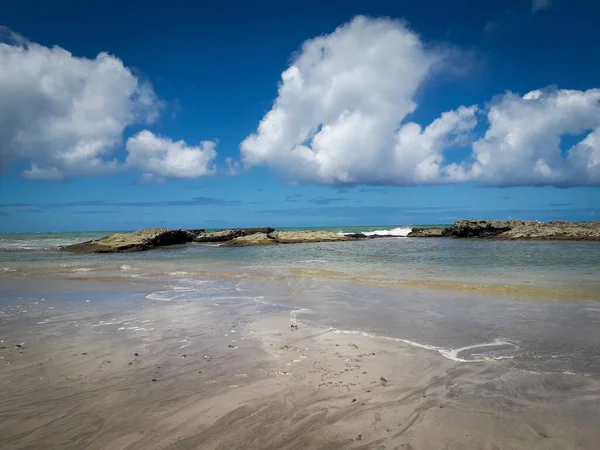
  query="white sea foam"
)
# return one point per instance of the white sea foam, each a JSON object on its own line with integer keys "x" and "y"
{"x": 7, "y": 269}
{"x": 126, "y": 267}
{"x": 294, "y": 314}
{"x": 82, "y": 269}
{"x": 395, "y": 232}
{"x": 449, "y": 353}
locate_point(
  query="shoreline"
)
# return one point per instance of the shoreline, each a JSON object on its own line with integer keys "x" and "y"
{"x": 237, "y": 376}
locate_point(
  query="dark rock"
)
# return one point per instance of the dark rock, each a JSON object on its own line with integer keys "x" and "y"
{"x": 356, "y": 236}
{"x": 522, "y": 230}
{"x": 426, "y": 232}
{"x": 477, "y": 228}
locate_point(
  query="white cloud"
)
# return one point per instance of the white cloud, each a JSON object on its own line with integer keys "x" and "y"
{"x": 340, "y": 105}
{"x": 539, "y": 5}
{"x": 66, "y": 116}
{"x": 157, "y": 156}
{"x": 522, "y": 145}
{"x": 341, "y": 110}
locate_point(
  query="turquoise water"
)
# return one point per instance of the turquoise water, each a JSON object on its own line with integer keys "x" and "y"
{"x": 532, "y": 305}
{"x": 571, "y": 266}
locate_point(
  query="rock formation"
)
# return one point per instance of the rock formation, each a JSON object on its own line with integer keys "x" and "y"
{"x": 518, "y": 229}
{"x": 250, "y": 240}
{"x": 227, "y": 235}
{"x": 150, "y": 238}
{"x": 307, "y": 236}
{"x": 426, "y": 232}
{"x": 137, "y": 241}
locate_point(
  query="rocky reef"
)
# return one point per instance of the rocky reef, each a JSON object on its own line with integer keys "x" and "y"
{"x": 515, "y": 230}
{"x": 150, "y": 238}
{"x": 137, "y": 241}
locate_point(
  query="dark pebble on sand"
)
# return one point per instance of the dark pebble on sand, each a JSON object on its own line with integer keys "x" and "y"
{"x": 154, "y": 379}
{"x": 369, "y": 390}
{"x": 383, "y": 379}
{"x": 84, "y": 353}
{"x": 359, "y": 437}
{"x": 136, "y": 354}
{"x": 353, "y": 400}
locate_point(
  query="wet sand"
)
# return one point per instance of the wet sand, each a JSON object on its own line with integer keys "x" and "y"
{"x": 234, "y": 375}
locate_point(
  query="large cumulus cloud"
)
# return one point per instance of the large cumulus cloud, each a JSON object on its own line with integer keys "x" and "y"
{"x": 65, "y": 115}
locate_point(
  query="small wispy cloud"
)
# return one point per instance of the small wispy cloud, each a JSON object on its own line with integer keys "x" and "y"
{"x": 561, "y": 204}
{"x": 326, "y": 200}
{"x": 196, "y": 201}
{"x": 539, "y": 5}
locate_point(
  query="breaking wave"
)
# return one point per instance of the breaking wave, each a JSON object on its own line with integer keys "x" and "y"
{"x": 394, "y": 232}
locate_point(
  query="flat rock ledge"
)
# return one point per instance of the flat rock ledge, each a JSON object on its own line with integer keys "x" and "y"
{"x": 138, "y": 241}
{"x": 515, "y": 230}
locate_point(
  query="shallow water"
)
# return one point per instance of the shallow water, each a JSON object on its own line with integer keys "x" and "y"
{"x": 529, "y": 305}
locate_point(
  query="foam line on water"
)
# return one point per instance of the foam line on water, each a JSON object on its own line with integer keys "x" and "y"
{"x": 449, "y": 353}
{"x": 446, "y": 352}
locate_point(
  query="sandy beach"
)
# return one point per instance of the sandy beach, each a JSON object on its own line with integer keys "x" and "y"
{"x": 236, "y": 375}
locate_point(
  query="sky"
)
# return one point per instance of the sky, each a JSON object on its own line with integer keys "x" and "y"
{"x": 123, "y": 115}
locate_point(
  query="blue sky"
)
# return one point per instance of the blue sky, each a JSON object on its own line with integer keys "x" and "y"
{"x": 393, "y": 113}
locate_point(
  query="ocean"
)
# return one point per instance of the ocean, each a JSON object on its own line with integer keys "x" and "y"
{"x": 528, "y": 305}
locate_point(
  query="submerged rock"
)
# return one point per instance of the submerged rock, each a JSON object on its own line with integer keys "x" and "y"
{"x": 228, "y": 235}
{"x": 426, "y": 232}
{"x": 137, "y": 241}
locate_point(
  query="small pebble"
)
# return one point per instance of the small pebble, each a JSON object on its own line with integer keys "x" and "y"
{"x": 154, "y": 379}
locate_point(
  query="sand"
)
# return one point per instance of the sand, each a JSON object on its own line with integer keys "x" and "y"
{"x": 234, "y": 375}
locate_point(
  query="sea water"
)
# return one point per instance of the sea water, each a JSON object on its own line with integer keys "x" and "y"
{"x": 531, "y": 305}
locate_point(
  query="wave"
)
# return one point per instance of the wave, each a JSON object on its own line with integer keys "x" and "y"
{"x": 394, "y": 232}
{"x": 13, "y": 245}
